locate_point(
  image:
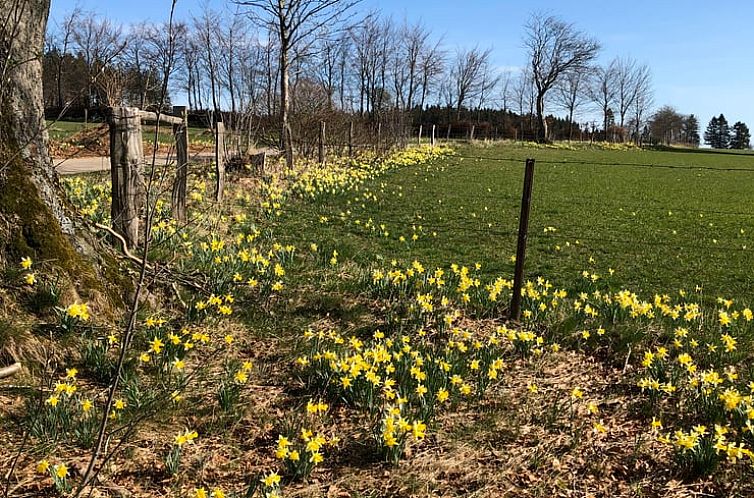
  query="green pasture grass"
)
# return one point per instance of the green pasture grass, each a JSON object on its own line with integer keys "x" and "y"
{"x": 62, "y": 130}
{"x": 659, "y": 229}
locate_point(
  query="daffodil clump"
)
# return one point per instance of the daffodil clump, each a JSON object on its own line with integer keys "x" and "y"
{"x": 58, "y": 473}
{"x": 239, "y": 263}
{"x": 67, "y": 413}
{"x": 92, "y": 198}
{"x": 271, "y": 485}
{"x": 395, "y": 431}
{"x": 304, "y": 445}
{"x": 236, "y": 376}
{"x": 696, "y": 378}
{"x": 173, "y": 459}
{"x": 435, "y": 296}
{"x": 30, "y": 277}
{"x": 303, "y": 452}
{"x": 341, "y": 175}
{"x": 401, "y": 382}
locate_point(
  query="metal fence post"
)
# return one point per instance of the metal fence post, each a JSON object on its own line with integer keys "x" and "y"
{"x": 523, "y": 228}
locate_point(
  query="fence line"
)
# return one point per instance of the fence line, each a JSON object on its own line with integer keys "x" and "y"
{"x": 429, "y": 226}
{"x": 595, "y": 163}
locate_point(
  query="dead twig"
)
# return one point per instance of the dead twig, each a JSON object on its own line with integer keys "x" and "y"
{"x": 123, "y": 242}
{"x": 9, "y": 371}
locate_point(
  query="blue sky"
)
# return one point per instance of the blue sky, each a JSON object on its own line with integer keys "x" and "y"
{"x": 699, "y": 51}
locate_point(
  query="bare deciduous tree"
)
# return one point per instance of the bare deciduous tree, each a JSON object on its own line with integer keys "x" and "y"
{"x": 571, "y": 94}
{"x": 467, "y": 75}
{"x": 66, "y": 32}
{"x": 602, "y": 89}
{"x": 554, "y": 48}
{"x": 522, "y": 92}
{"x": 100, "y": 42}
{"x": 415, "y": 44}
{"x": 643, "y": 100}
{"x": 625, "y": 73}
{"x": 293, "y": 21}
{"x": 630, "y": 78}
{"x": 431, "y": 65}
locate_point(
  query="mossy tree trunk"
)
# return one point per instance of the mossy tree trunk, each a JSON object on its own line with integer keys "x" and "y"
{"x": 35, "y": 219}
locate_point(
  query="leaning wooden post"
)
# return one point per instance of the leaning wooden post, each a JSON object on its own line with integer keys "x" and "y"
{"x": 219, "y": 160}
{"x": 180, "y": 133}
{"x": 432, "y": 140}
{"x": 322, "y": 143}
{"x": 126, "y": 163}
{"x": 350, "y": 139}
{"x": 420, "y": 135}
{"x": 523, "y": 228}
{"x": 471, "y": 133}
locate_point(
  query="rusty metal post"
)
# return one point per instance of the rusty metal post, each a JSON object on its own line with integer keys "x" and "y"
{"x": 523, "y": 229}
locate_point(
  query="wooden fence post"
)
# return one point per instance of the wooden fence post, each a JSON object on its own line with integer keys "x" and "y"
{"x": 432, "y": 140}
{"x": 180, "y": 133}
{"x": 523, "y": 228}
{"x": 379, "y": 134}
{"x": 420, "y": 135}
{"x": 126, "y": 165}
{"x": 449, "y": 127}
{"x": 322, "y": 143}
{"x": 219, "y": 160}
{"x": 263, "y": 163}
{"x": 471, "y": 133}
{"x": 350, "y": 139}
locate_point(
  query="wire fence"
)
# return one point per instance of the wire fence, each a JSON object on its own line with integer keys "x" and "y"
{"x": 504, "y": 230}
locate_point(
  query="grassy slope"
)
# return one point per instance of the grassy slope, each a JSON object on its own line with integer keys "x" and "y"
{"x": 660, "y": 229}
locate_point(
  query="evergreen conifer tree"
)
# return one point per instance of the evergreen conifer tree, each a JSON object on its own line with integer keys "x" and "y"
{"x": 741, "y": 136}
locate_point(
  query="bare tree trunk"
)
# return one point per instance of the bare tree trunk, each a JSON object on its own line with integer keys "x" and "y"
{"x": 541, "y": 121}
{"x": 23, "y": 138}
{"x": 34, "y": 220}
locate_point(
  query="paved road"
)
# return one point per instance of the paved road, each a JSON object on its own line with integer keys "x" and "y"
{"x": 81, "y": 165}
{"x": 78, "y": 165}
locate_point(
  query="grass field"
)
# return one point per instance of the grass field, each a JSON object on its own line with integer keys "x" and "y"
{"x": 661, "y": 229}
